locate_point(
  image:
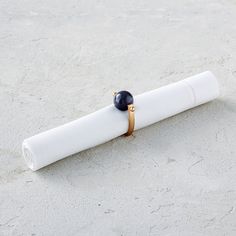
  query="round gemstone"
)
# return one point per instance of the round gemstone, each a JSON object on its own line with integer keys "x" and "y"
{"x": 122, "y": 99}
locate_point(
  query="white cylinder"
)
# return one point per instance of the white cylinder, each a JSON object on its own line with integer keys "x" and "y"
{"x": 109, "y": 122}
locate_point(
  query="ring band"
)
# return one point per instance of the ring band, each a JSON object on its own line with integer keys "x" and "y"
{"x": 131, "y": 120}
{"x": 123, "y": 101}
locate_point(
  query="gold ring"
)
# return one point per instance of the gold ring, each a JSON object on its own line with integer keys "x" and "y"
{"x": 123, "y": 101}
{"x": 131, "y": 120}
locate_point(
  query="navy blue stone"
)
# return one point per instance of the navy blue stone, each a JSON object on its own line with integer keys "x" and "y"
{"x": 122, "y": 99}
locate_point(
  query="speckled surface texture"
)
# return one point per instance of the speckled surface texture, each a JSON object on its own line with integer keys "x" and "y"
{"x": 60, "y": 60}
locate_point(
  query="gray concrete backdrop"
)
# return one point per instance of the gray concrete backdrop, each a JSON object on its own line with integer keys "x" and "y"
{"x": 60, "y": 60}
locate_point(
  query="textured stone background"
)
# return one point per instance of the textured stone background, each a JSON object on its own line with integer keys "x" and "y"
{"x": 60, "y": 60}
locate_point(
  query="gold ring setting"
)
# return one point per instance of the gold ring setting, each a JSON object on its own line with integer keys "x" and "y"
{"x": 124, "y": 101}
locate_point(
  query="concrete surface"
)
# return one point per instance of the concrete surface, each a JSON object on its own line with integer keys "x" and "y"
{"x": 60, "y": 60}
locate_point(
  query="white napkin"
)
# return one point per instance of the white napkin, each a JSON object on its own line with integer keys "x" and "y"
{"x": 109, "y": 122}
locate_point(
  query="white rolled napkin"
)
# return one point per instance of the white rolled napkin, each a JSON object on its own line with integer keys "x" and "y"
{"x": 108, "y": 123}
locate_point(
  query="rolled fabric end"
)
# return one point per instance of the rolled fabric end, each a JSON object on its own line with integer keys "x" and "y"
{"x": 29, "y": 156}
{"x": 205, "y": 87}
{"x": 105, "y": 124}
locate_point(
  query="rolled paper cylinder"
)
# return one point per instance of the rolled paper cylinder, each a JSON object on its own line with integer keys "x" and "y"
{"x": 109, "y": 122}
